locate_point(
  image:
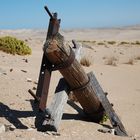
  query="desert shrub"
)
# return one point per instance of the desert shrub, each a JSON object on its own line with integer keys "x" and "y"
{"x": 124, "y": 43}
{"x": 137, "y": 42}
{"x": 85, "y": 62}
{"x": 137, "y": 57}
{"x": 130, "y": 61}
{"x": 14, "y": 46}
{"x": 111, "y": 42}
{"x": 111, "y": 61}
{"x": 104, "y": 118}
{"x": 101, "y": 43}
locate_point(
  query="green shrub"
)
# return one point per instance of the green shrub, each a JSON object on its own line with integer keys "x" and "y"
{"x": 104, "y": 118}
{"x": 14, "y": 46}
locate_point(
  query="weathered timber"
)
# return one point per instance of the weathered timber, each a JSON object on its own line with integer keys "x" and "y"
{"x": 77, "y": 48}
{"x": 58, "y": 53}
{"x": 114, "y": 119}
{"x": 43, "y": 82}
{"x": 33, "y": 95}
{"x": 45, "y": 72}
{"x": 54, "y": 112}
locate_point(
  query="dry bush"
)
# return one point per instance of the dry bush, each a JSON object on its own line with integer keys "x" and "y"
{"x": 111, "y": 42}
{"x": 85, "y": 62}
{"x": 135, "y": 43}
{"x": 101, "y": 43}
{"x": 130, "y": 61}
{"x": 137, "y": 57}
{"x": 104, "y": 57}
{"x": 72, "y": 97}
{"x": 111, "y": 61}
{"x": 124, "y": 43}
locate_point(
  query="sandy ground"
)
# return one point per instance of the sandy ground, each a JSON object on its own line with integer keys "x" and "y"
{"x": 120, "y": 79}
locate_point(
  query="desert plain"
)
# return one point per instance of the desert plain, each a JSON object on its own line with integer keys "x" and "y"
{"x": 114, "y": 56}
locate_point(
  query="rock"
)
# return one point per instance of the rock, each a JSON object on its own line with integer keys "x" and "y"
{"x": 107, "y": 130}
{"x": 26, "y": 60}
{"x": 29, "y": 80}
{"x": 11, "y": 70}
{"x": 35, "y": 82}
{"x": 55, "y": 134}
{"x": 34, "y": 88}
{"x": 12, "y": 128}
{"x": 30, "y": 129}
{"x": 2, "y": 71}
{"x": 24, "y": 71}
{"x": 2, "y": 128}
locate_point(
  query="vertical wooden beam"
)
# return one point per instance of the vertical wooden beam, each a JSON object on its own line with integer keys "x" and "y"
{"x": 44, "y": 82}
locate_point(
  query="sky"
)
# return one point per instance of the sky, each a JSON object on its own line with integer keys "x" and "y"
{"x": 18, "y": 14}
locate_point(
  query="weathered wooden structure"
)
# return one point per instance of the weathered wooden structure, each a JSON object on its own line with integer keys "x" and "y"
{"x": 59, "y": 56}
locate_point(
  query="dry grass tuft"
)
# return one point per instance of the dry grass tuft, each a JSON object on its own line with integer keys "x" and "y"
{"x": 111, "y": 42}
{"x": 85, "y": 62}
{"x": 72, "y": 97}
{"x": 111, "y": 61}
{"x": 130, "y": 61}
{"x": 135, "y": 43}
{"x": 137, "y": 58}
{"x": 124, "y": 43}
{"x": 101, "y": 43}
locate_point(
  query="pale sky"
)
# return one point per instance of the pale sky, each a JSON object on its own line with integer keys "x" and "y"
{"x": 15, "y": 14}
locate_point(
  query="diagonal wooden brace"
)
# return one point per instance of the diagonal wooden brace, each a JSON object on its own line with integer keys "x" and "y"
{"x": 114, "y": 119}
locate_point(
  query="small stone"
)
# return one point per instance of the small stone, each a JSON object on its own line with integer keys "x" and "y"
{"x": 35, "y": 82}
{"x": 107, "y": 130}
{"x": 12, "y": 128}
{"x": 30, "y": 129}
{"x": 55, "y": 134}
{"x": 4, "y": 73}
{"x": 24, "y": 71}
{"x": 2, "y": 128}
{"x": 49, "y": 133}
{"x": 112, "y": 131}
{"x": 11, "y": 70}
{"x": 34, "y": 88}
{"x": 26, "y": 60}
{"x": 29, "y": 80}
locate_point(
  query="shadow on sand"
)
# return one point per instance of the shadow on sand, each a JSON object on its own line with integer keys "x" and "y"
{"x": 13, "y": 115}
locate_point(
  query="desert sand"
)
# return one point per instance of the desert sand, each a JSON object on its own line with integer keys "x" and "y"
{"x": 116, "y": 67}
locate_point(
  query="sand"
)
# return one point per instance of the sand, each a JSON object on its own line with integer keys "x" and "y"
{"x": 120, "y": 79}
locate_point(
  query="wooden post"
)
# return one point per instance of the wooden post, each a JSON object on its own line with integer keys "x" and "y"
{"x": 43, "y": 83}
{"x": 58, "y": 53}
